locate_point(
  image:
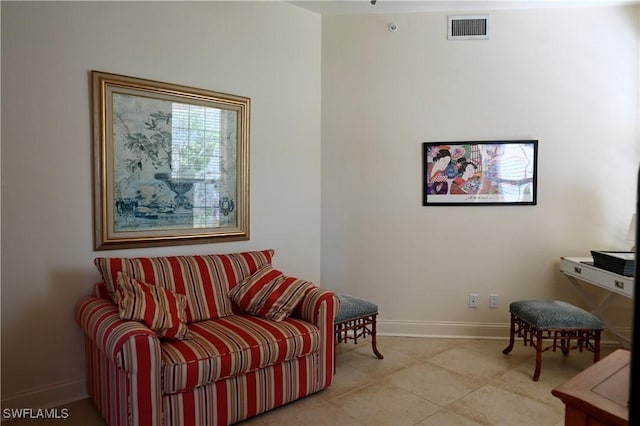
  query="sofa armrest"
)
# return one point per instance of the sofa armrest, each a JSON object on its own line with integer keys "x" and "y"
{"x": 123, "y": 380}
{"x": 117, "y": 339}
{"x": 320, "y": 307}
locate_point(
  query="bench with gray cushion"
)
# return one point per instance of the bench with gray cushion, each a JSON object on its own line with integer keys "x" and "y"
{"x": 356, "y": 319}
{"x": 566, "y": 326}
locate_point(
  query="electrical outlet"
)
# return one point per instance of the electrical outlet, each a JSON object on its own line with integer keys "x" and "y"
{"x": 493, "y": 300}
{"x": 473, "y": 300}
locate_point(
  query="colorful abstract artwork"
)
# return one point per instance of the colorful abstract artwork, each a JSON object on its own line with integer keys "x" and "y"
{"x": 479, "y": 173}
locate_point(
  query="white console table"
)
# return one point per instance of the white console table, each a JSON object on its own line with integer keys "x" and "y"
{"x": 580, "y": 270}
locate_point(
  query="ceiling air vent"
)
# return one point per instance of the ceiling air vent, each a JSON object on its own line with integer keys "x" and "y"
{"x": 468, "y": 27}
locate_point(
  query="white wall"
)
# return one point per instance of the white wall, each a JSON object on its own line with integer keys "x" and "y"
{"x": 568, "y": 78}
{"x": 540, "y": 76}
{"x": 269, "y": 52}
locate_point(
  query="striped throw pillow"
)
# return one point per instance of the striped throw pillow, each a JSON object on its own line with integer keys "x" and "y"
{"x": 162, "y": 310}
{"x": 204, "y": 279}
{"x": 270, "y": 294}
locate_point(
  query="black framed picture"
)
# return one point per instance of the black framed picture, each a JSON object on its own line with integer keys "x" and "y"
{"x": 479, "y": 173}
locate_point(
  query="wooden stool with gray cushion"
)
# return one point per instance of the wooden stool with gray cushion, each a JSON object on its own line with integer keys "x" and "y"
{"x": 356, "y": 318}
{"x": 566, "y": 326}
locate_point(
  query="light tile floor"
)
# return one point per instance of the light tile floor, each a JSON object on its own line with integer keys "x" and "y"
{"x": 437, "y": 382}
{"x": 422, "y": 382}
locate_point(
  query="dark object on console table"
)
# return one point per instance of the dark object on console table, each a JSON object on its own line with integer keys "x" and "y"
{"x": 620, "y": 262}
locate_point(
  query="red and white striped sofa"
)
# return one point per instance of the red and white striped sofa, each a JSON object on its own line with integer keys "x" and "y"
{"x": 233, "y": 366}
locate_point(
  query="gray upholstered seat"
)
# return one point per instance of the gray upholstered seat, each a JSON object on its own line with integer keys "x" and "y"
{"x": 566, "y": 326}
{"x": 352, "y": 307}
{"x": 554, "y": 314}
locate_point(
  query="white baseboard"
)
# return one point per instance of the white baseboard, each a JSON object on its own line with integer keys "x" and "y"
{"x": 46, "y": 396}
{"x": 462, "y": 330}
{"x": 444, "y": 329}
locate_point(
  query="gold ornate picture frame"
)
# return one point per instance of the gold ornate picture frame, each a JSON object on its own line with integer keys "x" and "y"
{"x": 171, "y": 163}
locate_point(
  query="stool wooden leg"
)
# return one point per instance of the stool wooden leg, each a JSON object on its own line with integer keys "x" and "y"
{"x": 536, "y": 373}
{"x": 565, "y": 344}
{"x": 373, "y": 339}
{"x": 360, "y": 328}
{"x": 511, "y": 336}
{"x": 596, "y": 348}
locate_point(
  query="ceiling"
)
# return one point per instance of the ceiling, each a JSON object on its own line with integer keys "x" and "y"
{"x": 359, "y": 7}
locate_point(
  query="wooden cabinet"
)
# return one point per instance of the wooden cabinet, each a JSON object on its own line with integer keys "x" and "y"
{"x": 598, "y": 396}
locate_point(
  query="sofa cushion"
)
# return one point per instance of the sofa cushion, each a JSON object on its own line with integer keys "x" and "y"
{"x": 231, "y": 346}
{"x": 204, "y": 279}
{"x": 270, "y": 294}
{"x": 162, "y": 310}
